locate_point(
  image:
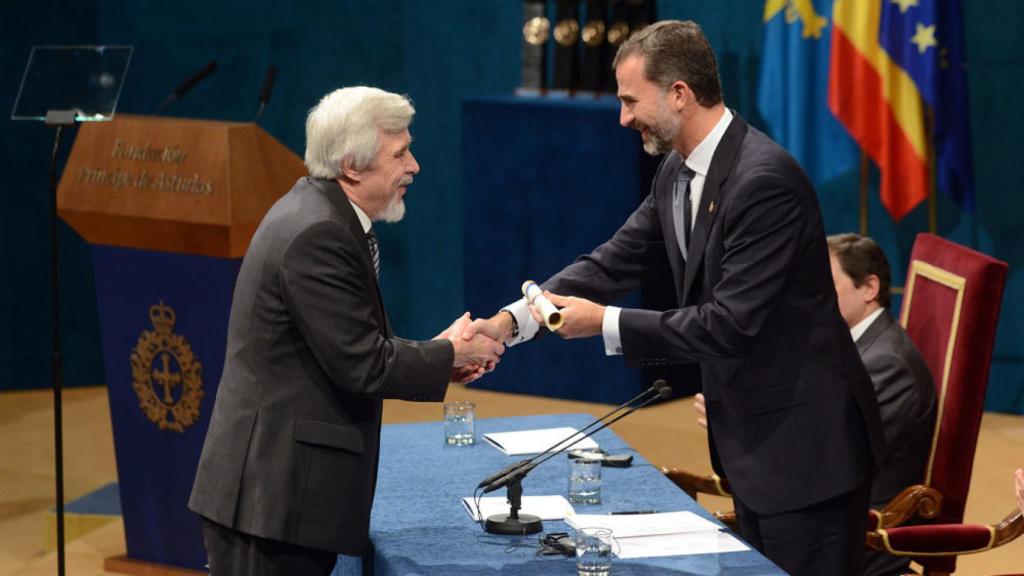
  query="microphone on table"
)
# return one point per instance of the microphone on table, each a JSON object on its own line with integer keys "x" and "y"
{"x": 187, "y": 85}
{"x": 655, "y": 388}
{"x": 268, "y": 87}
{"x": 512, "y": 476}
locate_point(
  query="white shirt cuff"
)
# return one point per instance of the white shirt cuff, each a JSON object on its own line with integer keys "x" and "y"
{"x": 610, "y": 330}
{"x": 528, "y": 327}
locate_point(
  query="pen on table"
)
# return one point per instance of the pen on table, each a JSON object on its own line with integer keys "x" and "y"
{"x": 632, "y": 512}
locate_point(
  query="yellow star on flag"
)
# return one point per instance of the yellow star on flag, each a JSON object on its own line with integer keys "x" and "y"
{"x": 924, "y": 38}
{"x": 905, "y": 5}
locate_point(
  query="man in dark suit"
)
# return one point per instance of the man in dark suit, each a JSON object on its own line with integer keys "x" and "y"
{"x": 735, "y": 222}
{"x": 289, "y": 466}
{"x": 903, "y": 383}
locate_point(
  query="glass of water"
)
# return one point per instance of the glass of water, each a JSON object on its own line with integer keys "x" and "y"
{"x": 594, "y": 551}
{"x": 585, "y": 478}
{"x": 458, "y": 423}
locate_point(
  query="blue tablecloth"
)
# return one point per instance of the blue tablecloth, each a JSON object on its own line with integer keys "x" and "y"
{"x": 419, "y": 526}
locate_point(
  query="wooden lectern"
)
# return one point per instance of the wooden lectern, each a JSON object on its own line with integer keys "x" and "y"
{"x": 168, "y": 206}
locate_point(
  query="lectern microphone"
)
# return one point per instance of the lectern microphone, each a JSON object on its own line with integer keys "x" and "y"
{"x": 512, "y": 477}
{"x": 187, "y": 85}
{"x": 268, "y": 87}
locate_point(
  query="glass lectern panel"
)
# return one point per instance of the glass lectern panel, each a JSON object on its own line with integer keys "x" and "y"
{"x": 83, "y": 79}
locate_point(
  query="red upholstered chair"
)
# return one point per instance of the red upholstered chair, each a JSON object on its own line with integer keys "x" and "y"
{"x": 950, "y": 308}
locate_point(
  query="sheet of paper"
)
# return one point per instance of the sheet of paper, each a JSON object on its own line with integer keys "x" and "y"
{"x": 631, "y": 525}
{"x": 546, "y": 507}
{"x": 679, "y": 544}
{"x": 537, "y": 441}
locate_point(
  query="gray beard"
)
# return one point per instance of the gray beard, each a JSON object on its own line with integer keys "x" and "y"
{"x": 393, "y": 212}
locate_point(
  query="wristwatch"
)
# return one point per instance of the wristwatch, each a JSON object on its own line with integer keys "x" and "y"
{"x": 515, "y": 324}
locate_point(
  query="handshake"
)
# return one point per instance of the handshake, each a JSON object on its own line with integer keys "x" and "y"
{"x": 479, "y": 343}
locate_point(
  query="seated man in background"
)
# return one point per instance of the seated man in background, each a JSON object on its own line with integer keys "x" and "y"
{"x": 902, "y": 381}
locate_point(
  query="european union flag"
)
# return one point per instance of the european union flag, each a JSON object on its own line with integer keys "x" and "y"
{"x": 925, "y": 38}
{"x": 792, "y": 94}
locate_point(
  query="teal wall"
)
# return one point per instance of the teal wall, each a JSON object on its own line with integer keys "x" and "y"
{"x": 438, "y": 52}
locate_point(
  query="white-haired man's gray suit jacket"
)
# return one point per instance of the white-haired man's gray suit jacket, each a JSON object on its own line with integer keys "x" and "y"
{"x": 291, "y": 452}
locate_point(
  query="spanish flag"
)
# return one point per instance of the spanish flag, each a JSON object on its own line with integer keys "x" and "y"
{"x": 879, "y": 103}
{"x": 891, "y": 62}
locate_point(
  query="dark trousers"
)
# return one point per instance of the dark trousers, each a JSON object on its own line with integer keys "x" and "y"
{"x": 233, "y": 553}
{"x": 824, "y": 539}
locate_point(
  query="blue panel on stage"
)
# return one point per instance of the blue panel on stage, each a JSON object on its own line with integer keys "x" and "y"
{"x": 545, "y": 180}
{"x": 162, "y": 378}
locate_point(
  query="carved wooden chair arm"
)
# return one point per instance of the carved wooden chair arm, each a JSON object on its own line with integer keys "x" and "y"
{"x": 917, "y": 501}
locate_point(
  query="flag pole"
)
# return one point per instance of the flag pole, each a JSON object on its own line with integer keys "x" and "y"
{"x": 933, "y": 203}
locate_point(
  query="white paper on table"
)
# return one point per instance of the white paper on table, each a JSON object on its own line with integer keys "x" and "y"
{"x": 632, "y": 525}
{"x": 545, "y": 507}
{"x": 537, "y": 441}
{"x": 679, "y": 544}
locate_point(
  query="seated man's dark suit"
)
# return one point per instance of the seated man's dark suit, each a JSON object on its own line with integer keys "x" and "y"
{"x": 792, "y": 416}
{"x": 906, "y": 398}
{"x": 291, "y": 453}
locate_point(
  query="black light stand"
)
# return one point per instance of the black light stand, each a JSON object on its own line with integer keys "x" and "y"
{"x": 58, "y": 119}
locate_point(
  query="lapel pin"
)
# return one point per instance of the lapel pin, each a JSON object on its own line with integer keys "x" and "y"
{"x": 711, "y": 208}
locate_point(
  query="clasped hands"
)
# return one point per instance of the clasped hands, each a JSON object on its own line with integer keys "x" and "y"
{"x": 479, "y": 343}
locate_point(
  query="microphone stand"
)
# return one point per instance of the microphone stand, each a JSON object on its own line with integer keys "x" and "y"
{"x": 523, "y": 524}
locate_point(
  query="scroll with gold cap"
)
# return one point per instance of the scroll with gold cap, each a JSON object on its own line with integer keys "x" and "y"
{"x": 536, "y": 31}
{"x": 535, "y": 297}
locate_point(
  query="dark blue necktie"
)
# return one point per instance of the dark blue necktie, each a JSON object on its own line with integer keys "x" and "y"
{"x": 682, "y": 212}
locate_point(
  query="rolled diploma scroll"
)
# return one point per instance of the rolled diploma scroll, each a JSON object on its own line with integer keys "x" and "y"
{"x": 535, "y": 296}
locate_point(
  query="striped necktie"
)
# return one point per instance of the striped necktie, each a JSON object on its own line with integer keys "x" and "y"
{"x": 682, "y": 211}
{"x": 371, "y": 240}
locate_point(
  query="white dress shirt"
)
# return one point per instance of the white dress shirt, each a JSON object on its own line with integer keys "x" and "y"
{"x": 861, "y": 327}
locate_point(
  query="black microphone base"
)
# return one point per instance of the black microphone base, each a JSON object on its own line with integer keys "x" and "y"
{"x": 503, "y": 524}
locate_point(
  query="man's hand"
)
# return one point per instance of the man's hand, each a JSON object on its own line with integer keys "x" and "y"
{"x": 1019, "y": 475}
{"x": 497, "y": 327}
{"x": 701, "y": 409}
{"x": 475, "y": 355}
{"x": 581, "y": 318}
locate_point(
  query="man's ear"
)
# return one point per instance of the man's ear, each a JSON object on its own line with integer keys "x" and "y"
{"x": 349, "y": 173}
{"x": 870, "y": 288}
{"x": 679, "y": 95}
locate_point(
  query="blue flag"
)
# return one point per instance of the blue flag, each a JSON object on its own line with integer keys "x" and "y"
{"x": 925, "y": 38}
{"x": 792, "y": 94}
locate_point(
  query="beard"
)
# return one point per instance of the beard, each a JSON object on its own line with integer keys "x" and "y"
{"x": 394, "y": 211}
{"x": 661, "y": 134}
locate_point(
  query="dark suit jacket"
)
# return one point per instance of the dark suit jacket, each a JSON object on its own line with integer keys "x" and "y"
{"x": 291, "y": 452}
{"x": 906, "y": 398}
{"x": 791, "y": 411}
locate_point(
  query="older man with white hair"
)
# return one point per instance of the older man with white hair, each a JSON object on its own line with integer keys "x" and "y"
{"x": 288, "y": 470}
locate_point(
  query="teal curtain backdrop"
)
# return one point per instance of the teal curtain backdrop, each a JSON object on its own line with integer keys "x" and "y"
{"x": 438, "y": 52}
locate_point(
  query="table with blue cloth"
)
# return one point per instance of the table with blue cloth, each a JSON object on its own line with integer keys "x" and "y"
{"x": 420, "y": 527}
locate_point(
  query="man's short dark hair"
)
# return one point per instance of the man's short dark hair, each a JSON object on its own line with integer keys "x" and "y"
{"x": 674, "y": 50}
{"x": 860, "y": 257}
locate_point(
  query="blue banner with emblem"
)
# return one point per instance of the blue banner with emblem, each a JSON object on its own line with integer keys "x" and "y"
{"x": 163, "y": 321}
{"x": 792, "y": 94}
